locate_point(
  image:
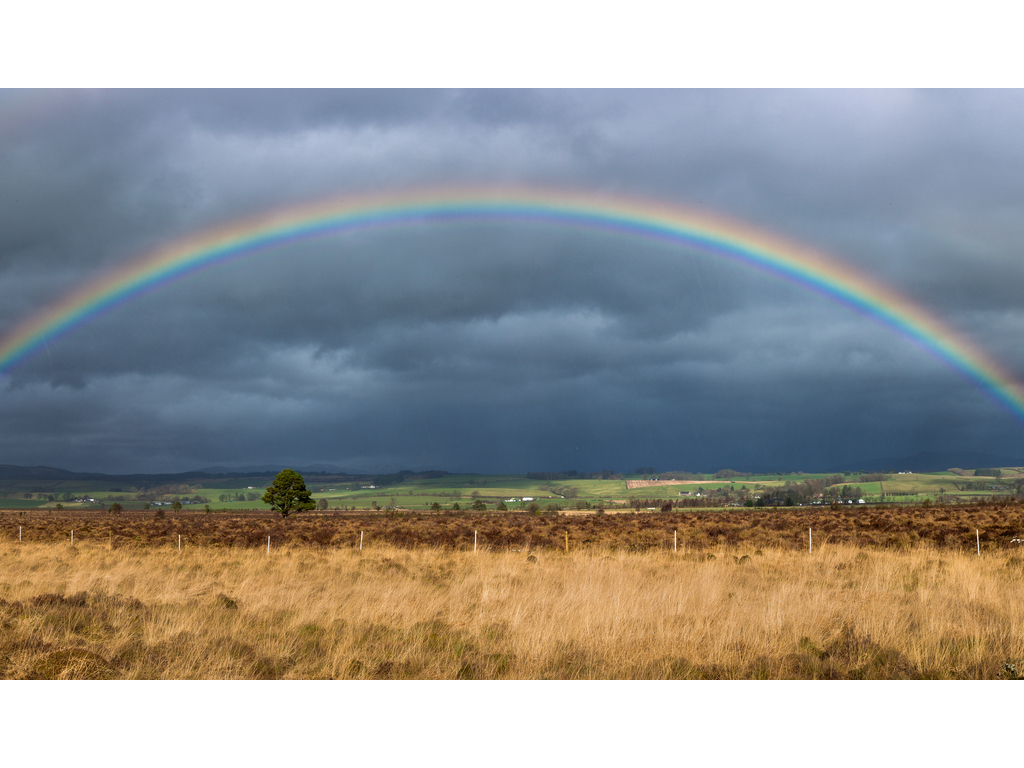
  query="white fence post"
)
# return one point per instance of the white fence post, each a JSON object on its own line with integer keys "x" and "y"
{"x": 675, "y": 541}
{"x": 179, "y": 542}
{"x": 810, "y": 542}
{"x": 268, "y": 545}
{"x": 72, "y": 538}
{"x": 977, "y": 535}
{"x": 360, "y": 541}
{"x": 474, "y": 541}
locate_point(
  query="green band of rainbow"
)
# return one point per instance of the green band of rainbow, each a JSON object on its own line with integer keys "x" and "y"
{"x": 636, "y": 217}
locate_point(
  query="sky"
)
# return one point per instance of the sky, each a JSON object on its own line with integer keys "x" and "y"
{"x": 508, "y": 346}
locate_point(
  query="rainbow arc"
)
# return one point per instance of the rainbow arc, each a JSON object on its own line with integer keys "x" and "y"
{"x": 630, "y": 216}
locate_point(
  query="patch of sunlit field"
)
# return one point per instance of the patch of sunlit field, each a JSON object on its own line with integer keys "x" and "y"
{"x": 841, "y": 612}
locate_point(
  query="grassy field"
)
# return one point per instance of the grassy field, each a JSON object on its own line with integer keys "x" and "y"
{"x": 727, "y": 595}
{"x": 426, "y": 613}
{"x": 447, "y": 491}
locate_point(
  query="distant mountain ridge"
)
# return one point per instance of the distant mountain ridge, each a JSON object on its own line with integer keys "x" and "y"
{"x": 927, "y": 461}
{"x": 274, "y": 469}
{"x": 932, "y": 461}
{"x": 12, "y": 475}
{"x": 39, "y": 478}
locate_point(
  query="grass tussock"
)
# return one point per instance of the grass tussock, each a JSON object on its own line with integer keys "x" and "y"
{"x": 93, "y": 612}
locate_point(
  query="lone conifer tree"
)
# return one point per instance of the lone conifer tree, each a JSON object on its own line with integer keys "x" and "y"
{"x": 288, "y": 493}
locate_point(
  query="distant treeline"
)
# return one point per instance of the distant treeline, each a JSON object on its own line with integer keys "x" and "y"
{"x": 976, "y": 472}
{"x": 722, "y": 474}
{"x": 983, "y": 485}
{"x": 397, "y": 478}
{"x": 988, "y": 473}
{"x": 572, "y": 474}
{"x": 565, "y": 491}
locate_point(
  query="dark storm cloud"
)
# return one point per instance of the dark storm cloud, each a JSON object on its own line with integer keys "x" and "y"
{"x": 496, "y": 347}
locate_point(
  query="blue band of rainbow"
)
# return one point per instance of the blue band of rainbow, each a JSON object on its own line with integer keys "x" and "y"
{"x": 635, "y": 217}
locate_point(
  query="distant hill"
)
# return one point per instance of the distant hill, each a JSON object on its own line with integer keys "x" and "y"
{"x": 263, "y": 469}
{"x": 13, "y": 477}
{"x": 49, "y": 479}
{"x": 48, "y": 473}
{"x": 931, "y": 461}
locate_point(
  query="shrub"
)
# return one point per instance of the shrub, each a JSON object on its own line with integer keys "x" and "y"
{"x": 1009, "y": 672}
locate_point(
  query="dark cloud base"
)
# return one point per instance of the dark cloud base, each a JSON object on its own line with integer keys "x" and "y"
{"x": 495, "y": 348}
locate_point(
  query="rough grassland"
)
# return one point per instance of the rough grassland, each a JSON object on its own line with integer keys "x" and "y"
{"x": 92, "y": 611}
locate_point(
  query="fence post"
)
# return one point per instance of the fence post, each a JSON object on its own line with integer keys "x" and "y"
{"x": 179, "y": 542}
{"x": 810, "y": 542}
{"x": 268, "y": 545}
{"x": 675, "y": 540}
{"x": 72, "y": 538}
{"x": 474, "y": 541}
{"x": 360, "y": 541}
{"x": 977, "y": 535}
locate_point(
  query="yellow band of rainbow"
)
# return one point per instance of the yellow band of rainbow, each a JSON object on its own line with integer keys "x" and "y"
{"x": 631, "y": 216}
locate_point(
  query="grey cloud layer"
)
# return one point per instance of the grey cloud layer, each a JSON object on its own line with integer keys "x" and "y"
{"x": 495, "y": 347}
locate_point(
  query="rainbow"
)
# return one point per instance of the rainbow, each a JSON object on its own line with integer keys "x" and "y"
{"x": 631, "y": 216}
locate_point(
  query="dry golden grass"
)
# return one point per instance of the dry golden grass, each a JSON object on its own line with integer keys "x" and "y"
{"x": 90, "y": 611}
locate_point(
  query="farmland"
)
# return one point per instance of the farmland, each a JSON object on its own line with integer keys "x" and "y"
{"x": 550, "y": 491}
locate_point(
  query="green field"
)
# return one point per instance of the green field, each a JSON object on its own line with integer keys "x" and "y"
{"x": 405, "y": 491}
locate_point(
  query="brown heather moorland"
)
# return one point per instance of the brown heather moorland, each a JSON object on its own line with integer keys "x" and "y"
{"x": 887, "y": 593}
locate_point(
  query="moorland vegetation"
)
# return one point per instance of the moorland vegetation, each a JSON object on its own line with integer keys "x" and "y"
{"x": 879, "y": 593}
{"x": 385, "y": 612}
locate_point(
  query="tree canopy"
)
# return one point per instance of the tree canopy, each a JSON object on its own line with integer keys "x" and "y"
{"x": 288, "y": 493}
